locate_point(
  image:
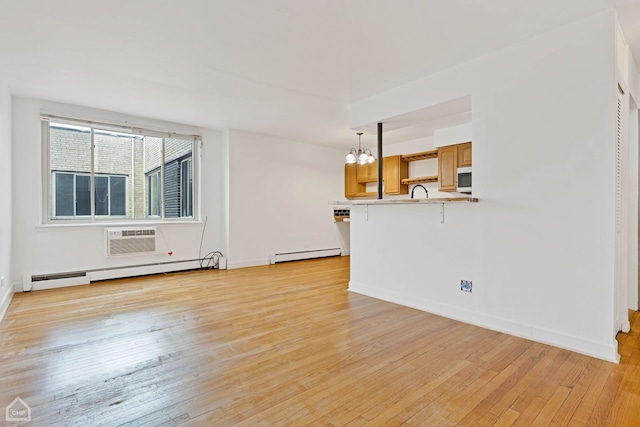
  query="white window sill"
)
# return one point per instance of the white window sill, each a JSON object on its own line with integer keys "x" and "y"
{"x": 62, "y": 224}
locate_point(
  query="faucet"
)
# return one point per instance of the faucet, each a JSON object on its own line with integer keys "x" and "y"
{"x": 414, "y": 189}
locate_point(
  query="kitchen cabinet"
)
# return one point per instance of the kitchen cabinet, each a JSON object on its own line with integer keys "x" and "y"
{"x": 351, "y": 186}
{"x": 394, "y": 170}
{"x": 367, "y": 172}
{"x": 464, "y": 154}
{"x": 447, "y": 168}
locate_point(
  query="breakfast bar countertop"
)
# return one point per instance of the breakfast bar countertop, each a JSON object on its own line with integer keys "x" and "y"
{"x": 406, "y": 201}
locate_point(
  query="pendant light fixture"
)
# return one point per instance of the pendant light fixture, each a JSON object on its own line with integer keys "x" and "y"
{"x": 361, "y": 155}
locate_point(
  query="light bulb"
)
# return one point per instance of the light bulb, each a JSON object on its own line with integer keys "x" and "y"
{"x": 351, "y": 158}
{"x": 371, "y": 159}
{"x": 363, "y": 158}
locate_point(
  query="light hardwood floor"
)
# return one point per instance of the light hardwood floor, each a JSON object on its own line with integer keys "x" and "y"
{"x": 288, "y": 345}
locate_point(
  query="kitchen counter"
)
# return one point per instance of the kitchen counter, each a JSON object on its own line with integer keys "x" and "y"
{"x": 439, "y": 200}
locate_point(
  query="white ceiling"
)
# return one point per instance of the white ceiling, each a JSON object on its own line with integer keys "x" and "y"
{"x": 280, "y": 67}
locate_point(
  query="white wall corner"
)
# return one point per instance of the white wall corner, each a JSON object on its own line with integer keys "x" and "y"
{"x": 18, "y": 287}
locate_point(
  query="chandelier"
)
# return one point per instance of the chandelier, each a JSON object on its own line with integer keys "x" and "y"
{"x": 361, "y": 155}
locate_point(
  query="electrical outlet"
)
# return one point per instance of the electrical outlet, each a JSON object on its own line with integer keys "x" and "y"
{"x": 466, "y": 286}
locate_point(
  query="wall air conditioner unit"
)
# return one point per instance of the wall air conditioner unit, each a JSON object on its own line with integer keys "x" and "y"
{"x": 130, "y": 241}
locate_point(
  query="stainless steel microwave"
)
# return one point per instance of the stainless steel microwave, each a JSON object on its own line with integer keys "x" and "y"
{"x": 464, "y": 180}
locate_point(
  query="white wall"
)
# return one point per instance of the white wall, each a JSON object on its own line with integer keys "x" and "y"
{"x": 6, "y": 220}
{"x": 278, "y": 197}
{"x": 42, "y": 249}
{"x": 539, "y": 245}
{"x": 453, "y": 135}
{"x": 627, "y": 243}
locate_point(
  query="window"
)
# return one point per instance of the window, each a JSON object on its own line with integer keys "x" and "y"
{"x": 72, "y": 195}
{"x": 177, "y": 190}
{"x": 97, "y": 172}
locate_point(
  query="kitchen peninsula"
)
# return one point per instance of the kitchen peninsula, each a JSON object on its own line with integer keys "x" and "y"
{"x": 439, "y": 200}
{"x": 395, "y": 240}
{"x": 408, "y": 251}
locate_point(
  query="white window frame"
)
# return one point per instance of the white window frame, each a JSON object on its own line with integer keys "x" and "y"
{"x": 158, "y": 176}
{"x": 182, "y": 195}
{"x": 48, "y": 201}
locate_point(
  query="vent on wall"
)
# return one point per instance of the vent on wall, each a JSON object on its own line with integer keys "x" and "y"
{"x": 130, "y": 241}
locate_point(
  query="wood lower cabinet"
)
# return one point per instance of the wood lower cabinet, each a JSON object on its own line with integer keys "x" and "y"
{"x": 367, "y": 172}
{"x": 394, "y": 170}
{"x": 351, "y": 186}
{"x": 447, "y": 168}
{"x": 464, "y": 154}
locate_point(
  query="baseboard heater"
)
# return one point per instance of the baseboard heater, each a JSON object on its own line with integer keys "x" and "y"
{"x": 56, "y": 280}
{"x": 39, "y": 282}
{"x": 300, "y": 255}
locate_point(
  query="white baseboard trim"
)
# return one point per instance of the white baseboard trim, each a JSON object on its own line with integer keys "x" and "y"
{"x": 143, "y": 270}
{"x": 248, "y": 263}
{"x": 530, "y": 332}
{"x": 577, "y": 344}
{"x": 5, "y": 301}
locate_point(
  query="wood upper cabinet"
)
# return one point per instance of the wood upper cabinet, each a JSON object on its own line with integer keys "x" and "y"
{"x": 351, "y": 186}
{"x": 367, "y": 172}
{"x": 464, "y": 154}
{"x": 394, "y": 170}
{"x": 447, "y": 168}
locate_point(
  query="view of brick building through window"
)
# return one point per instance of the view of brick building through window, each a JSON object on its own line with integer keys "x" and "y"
{"x": 128, "y": 180}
